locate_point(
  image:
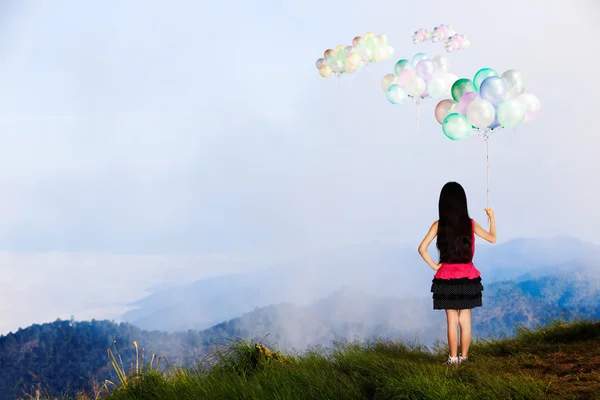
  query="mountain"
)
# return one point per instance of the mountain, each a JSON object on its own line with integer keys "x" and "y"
{"x": 70, "y": 354}
{"x": 378, "y": 269}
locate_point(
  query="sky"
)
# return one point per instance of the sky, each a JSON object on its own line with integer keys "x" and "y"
{"x": 145, "y": 137}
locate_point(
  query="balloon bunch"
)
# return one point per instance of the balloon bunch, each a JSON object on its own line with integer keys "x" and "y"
{"x": 484, "y": 105}
{"x": 418, "y": 79}
{"x": 442, "y": 32}
{"x": 349, "y": 59}
{"x": 452, "y": 40}
{"x": 457, "y": 42}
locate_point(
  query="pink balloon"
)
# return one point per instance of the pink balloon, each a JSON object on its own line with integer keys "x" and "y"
{"x": 404, "y": 76}
{"x": 445, "y": 108}
{"x": 465, "y": 100}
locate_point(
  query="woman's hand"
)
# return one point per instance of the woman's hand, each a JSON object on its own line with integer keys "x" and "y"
{"x": 490, "y": 213}
{"x": 438, "y": 266}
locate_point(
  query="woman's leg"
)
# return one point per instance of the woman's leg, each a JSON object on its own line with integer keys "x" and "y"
{"x": 452, "y": 317}
{"x": 464, "y": 320}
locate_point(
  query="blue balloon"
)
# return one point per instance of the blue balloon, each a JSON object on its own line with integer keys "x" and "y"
{"x": 493, "y": 89}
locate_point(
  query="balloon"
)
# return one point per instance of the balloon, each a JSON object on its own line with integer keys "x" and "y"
{"x": 354, "y": 60}
{"x": 511, "y": 113}
{"x": 425, "y": 69}
{"x": 338, "y": 48}
{"x": 387, "y": 81}
{"x": 460, "y": 87}
{"x": 356, "y": 41}
{"x": 396, "y": 95}
{"x": 348, "y": 50}
{"x": 480, "y": 113}
{"x": 418, "y": 57}
{"x": 325, "y": 71}
{"x": 379, "y": 54}
{"x": 383, "y": 39}
{"x": 481, "y": 75}
{"x": 400, "y": 66}
{"x": 493, "y": 89}
{"x": 388, "y": 51}
{"x": 532, "y": 106}
{"x": 406, "y": 75}
{"x": 328, "y": 53}
{"x": 445, "y": 108}
{"x": 320, "y": 62}
{"x": 368, "y": 35}
{"x": 465, "y": 100}
{"x": 365, "y": 53}
{"x": 515, "y": 83}
{"x": 456, "y": 127}
{"x": 437, "y": 86}
{"x": 441, "y": 63}
{"x": 414, "y": 85}
{"x": 351, "y": 68}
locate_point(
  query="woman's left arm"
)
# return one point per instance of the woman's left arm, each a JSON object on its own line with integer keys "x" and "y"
{"x": 425, "y": 244}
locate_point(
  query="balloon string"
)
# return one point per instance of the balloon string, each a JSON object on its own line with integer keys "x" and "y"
{"x": 487, "y": 162}
{"x": 418, "y": 109}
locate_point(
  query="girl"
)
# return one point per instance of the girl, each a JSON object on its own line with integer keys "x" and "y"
{"x": 457, "y": 284}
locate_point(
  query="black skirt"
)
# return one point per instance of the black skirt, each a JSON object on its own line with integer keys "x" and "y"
{"x": 456, "y": 294}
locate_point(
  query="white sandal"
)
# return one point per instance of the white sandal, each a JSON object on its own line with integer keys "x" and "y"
{"x": 452, "y": 361}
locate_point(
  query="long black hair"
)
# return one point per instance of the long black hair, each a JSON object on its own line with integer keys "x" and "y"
{"x": 454, "y": 238}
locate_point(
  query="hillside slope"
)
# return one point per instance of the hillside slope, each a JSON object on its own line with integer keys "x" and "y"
{"x": 559, "y": 361}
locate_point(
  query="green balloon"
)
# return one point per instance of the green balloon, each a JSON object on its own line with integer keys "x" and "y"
{"x": 511, "y": 113}
{"x": 461, "y": 87}
{"x": 481, "y": 75}
{"x": 456, "y": 127}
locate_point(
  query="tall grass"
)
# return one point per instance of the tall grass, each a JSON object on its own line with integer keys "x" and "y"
{"x": 556, "y": 361}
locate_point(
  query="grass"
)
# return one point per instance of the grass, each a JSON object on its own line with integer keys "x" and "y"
{"x": 555, "y": 361}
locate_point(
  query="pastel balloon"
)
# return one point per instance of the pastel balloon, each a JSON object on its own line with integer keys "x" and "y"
{"x": 400, "y": 66}
{"x": 350, "y": 68}
{"x": 493, "y": 89}
{"x": 387, "y": 81}
{"x": 480, "y": 113}
{"x": 405, "y": 76}
{"x": 396, "y": 95}
{"x": 511, "y": 113}
{"x": 532, "y": 106}
{"x": 418, "y": 57}
{"x": 325, "y": 71}
{"x": 356, "y": 41}
{"x": 437, "y": 86}
{"x": 441, "y": 63}
{"x": 383, "y": 39}
{"x": 328, "y": 52}
{"x": 465, "y": 100}
{"x": 445, "y": 108}
{"x": 460, "y": 87}
{"x": 348, "y": 50}
{"x": 414, "y": 85}
{"x": 456, "y": 127}
{"x": 354, "y": 60}
{"x": 515, "y": 83}
{"x": 379, "y": 54}
{"x": 425, "y": 69}
{"x": 368, "y": 35}
{"x": 320, "y": 62}
{"x": 481, "y": 75}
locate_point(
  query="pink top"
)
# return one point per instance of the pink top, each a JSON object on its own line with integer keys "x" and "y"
{"x": 457, "y": 271}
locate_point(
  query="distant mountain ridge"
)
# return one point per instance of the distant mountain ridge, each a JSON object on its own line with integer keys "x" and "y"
{"x": 377, "y": 269}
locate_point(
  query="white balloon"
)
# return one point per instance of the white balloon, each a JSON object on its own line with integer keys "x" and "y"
{"x": 320, "y": 62}
{"x": 414, "y": 85}
{"x": 481, "y": 113}
{"x": 348, "y": 50}
{"x": 515, "y": 83}
{"x": 441, "y": 63}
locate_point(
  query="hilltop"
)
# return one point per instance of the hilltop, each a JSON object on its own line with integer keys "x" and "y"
{"x": 556, "y": 361}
